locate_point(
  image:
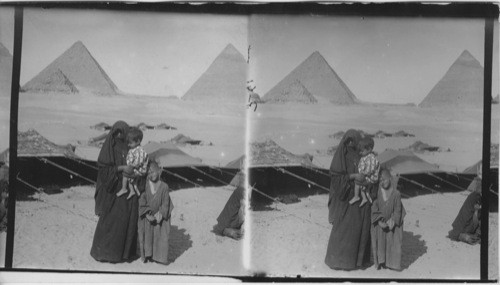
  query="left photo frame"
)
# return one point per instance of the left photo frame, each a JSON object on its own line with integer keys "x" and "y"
{"x": 96, "y": 84}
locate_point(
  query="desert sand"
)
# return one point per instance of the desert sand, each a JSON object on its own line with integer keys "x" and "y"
{"x": 56, "y": 231}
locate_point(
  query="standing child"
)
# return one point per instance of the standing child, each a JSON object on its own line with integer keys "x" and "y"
{"x": 138, "y": 159}
{"x": 155, "y": 209}
{"x": 387, "y": 224}
{"x": 369, "y": 167}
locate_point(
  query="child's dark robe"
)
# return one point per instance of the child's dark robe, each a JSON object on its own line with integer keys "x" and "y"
{"x": 153, "y": 237}
{"x": 386, "y": 244}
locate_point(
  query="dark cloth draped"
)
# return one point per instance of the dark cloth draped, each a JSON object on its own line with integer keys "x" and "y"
{"x": 229, "y": 217}
{"x": 387, "y": 245}
{"x": 154, "y": 237}
{"x": 348, "y": 246}
{"x": 112, "y": 154}
{"x": 464, "y": 222}
{"x": 115, "y": 237}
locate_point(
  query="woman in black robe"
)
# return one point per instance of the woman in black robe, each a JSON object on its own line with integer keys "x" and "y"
{"x": 348, "y": 246}
{"x": 467, "y": 225}
{"x": 231, "y": 218}
{"x": 115, "y": 237}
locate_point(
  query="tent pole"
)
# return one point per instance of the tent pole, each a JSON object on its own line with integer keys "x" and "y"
{"x": 298, "y": 177}
{"x": 65, "y": 169}
{"x": 421, "y": 185}
{"x": 218, "y": 169}
{"x": 81, "y": 162}
{"x": 437, "y": 177}
{"x": 214, "y": 178}
{"x": 317, "y": 171}
{"x": 39, "y": 190}
{"x": 456, "y": 175}
{"x": 182, "y": 178}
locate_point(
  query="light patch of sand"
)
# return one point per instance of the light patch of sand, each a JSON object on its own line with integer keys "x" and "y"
{"x": 292, "y": 241}
{"x": 56, "y": 232}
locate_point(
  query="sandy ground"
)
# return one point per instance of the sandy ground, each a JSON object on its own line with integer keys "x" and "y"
{"x": 292, "y": 240}
{"x": 56, "y": 233}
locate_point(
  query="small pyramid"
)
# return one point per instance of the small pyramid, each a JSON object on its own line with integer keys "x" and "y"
{"x": 5, "y": 71}
{"x": 318, "y": 77}
{"x": 54, "y": 82}
{"x": 295, "y": 92}
{"x": 462, "y": 85}
{"x": 80, "y": 68}
{"x": 224, "y": 80}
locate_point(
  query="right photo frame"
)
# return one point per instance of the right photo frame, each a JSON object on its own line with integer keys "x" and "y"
{"x": 366, "y": 147}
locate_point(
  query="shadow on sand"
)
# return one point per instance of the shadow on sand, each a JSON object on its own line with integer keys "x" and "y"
{"x": 179, "y": 242}
{"x": 413, "y": 248}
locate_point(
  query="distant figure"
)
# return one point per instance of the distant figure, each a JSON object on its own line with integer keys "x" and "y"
{"x": 467, "y": 224}
{"x": 4, "y": 196}
{"x": 387, "y": 224}
{"x": 155, "y": 209}
{"x": 232, "y": 217}
{"x": 115, "y": 236}
{"x": 349, "y": 243}
{"x": 138, "y": 159}
{"x": 369, "y": 167}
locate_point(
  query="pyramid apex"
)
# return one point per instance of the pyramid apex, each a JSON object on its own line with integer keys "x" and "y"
{"x": 230, "y": 49}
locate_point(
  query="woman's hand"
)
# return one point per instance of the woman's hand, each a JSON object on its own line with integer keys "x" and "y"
{"x": 357, "y": 176}
{"x": 158, "y": 216}
{"x": 126, "y": 169}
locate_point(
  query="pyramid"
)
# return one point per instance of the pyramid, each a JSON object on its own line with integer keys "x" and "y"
{"x": 54, "y": 82}
{"x": 295, "y": 92}
{"x": 80, "y": 69}
{"x": 462, "y": 85}
{"x": 5, "y": 71}
{"x": 224, "y": 80}
{"x": 319, "y": 79}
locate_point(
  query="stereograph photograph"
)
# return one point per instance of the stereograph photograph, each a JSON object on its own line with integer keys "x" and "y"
{"x": 249, "y": 144}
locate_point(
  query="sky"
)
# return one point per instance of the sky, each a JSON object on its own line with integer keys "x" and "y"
{"x": 392, "y": 60}
{"x": 151, "y": 53}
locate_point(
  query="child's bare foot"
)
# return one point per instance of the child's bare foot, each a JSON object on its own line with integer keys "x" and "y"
{"x": 132, "y": 193}
{"x": 121, "y": 192}
{"x": 354, "y": 200}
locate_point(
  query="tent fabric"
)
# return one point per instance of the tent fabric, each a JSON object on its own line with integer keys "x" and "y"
{"x": 404, "y": 162}
{"x": 31, "y": 143}
{"x": 182, "y": 139}
{"x": 166, "y": 154}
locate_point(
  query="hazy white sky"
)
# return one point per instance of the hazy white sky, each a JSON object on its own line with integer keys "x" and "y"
{"x": 143, "y": 53}
{"x": 396, "y": 60}
{"x": 381, "y": 59}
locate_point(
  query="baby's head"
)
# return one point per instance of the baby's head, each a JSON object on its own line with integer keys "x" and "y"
{"x": 154, "y": 171}
{"x": 385, "y": 178}
{"x": 366, "y": 145}
{"x": 134, "y": 137}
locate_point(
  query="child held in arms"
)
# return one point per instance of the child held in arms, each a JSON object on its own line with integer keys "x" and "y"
{"x": 136, "y": 158}
{"x": 369, "y": 167}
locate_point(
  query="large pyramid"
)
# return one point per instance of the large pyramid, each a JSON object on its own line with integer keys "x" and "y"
{"x": 224, "y": 80}
{"x": 79, "y": 68}
{"x": 295, "y": 92}
{"x": 319, "y": 79}
{"x": 462, "y": 85}
{"x": 5, "y": 71}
